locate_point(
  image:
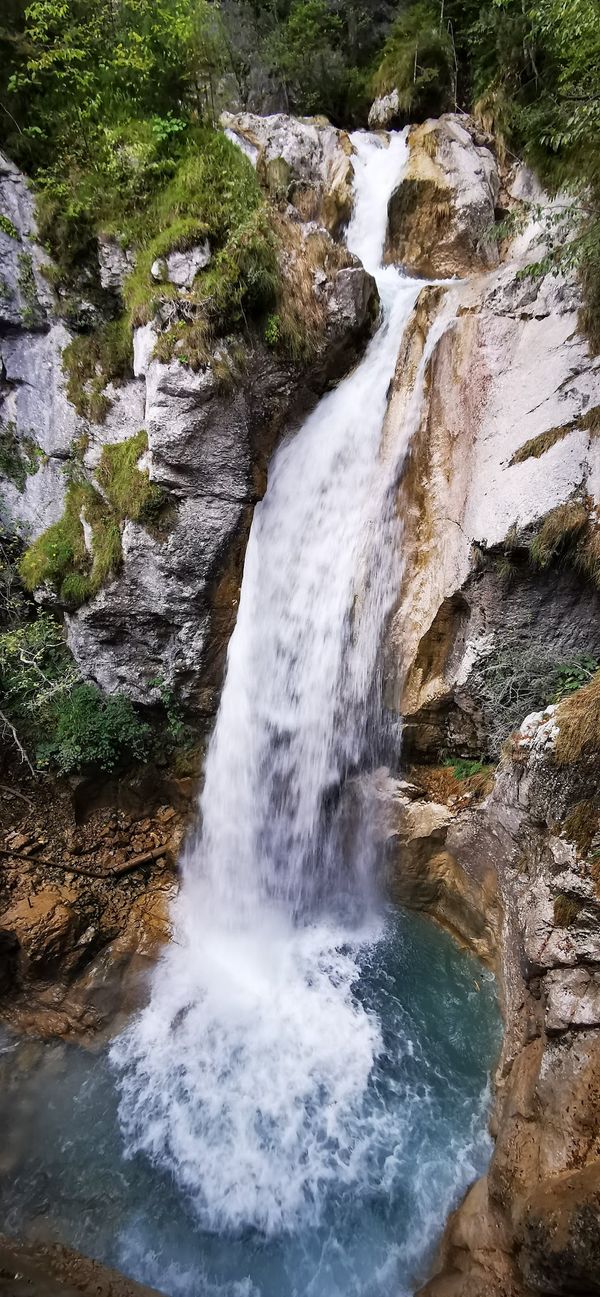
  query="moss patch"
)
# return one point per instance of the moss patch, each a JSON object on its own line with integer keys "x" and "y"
{"x": 32, "y": 314}
{"x": 128, "y": 488}
{"x": 91, "y": 361}
{"x": 59, "y": 556}
{"x": 20, "y": 457}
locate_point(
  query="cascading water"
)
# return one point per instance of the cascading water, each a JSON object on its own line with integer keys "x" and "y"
{"x": 258, "y": 1076}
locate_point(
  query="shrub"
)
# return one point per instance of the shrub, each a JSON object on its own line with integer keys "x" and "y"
{"x": 417, "y": 61}
{"x": 92, "y": 731}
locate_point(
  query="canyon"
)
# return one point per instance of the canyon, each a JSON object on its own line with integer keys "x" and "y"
{"x": 495, "y": 385}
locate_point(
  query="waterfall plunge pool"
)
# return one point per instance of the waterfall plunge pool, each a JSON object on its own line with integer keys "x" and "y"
{"x": 66, "y": 1175}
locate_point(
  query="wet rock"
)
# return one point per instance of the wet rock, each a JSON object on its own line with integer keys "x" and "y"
{"x": 441, "y": 213}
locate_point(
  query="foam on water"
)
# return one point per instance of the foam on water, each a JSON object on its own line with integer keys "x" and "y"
{"x": 249, "y": 1075}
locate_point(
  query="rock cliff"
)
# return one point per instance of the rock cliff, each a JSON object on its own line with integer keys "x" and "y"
{"x": 169, "y": 608}
{"x": 498, "y": 612}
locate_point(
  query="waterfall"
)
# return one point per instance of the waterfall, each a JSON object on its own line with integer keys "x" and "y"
{"x": 246, "y": 1074}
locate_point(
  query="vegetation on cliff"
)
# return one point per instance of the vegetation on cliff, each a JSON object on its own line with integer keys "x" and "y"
{"x": 110, "y": 109}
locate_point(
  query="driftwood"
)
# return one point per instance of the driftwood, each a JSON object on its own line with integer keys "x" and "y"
{"x": 126, "y": 867}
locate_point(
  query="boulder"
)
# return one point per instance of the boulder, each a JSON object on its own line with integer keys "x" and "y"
{"x": 306, "y": 160}
{"x": 115, "y": 262}
{"x": 384, "y": 112}
{"x": 181, "y": 268}
{"x": 442, "y": 213}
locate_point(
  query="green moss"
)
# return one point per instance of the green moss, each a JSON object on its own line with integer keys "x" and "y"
{"x": 59, "y": 556}
{"x": 129, "y": 489}
{"x": 19, "y": 456}
{"x": 32, "y": 314}
{"x": 214, "y": 195}
{"x": 7, "y": 227}
{"x": 91, "y": 361}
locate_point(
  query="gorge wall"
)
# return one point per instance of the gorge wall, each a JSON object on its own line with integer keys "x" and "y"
{"x": 499, "y": 593}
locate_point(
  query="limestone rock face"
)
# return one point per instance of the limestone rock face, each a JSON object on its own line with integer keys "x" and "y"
{"x": 533, "y": 1224}
{"x": 170, "y": 609}
{"x": 115, "y": 262}
{"x": 181, "y": 268}
{"x": 306, "y": 160}
{"x": 442, "y": 211}
{"x": 504, "y": 438}
{"x": 383, "y": 113}
{"x": 24, "y": 294}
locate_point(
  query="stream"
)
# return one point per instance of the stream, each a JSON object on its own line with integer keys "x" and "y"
{"x": 305, "y": 1094}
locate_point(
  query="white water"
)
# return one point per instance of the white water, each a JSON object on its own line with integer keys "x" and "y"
{"x": 247, "y": 1073}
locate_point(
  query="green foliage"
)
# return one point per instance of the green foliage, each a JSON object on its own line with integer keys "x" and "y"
{"x": 572, "y": 675}
{"x": 94, "y": 732}
{"x": 272, "y": 332}
{"x": 91, "y": 361}
{"x": 66, "y": 725}
{"x": 464, "y": 769}
{"x": 417, "y": 61}
{"x": 19, "y": 456}
{"x": 7, "y": 227}
{"x": 128, "y": 488}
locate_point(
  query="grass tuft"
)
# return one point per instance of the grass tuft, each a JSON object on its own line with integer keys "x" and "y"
{"x": 537, "y": 446}
{"x": 560, "y": 528}
{"x": 581, "y": 825}
{"x": 578, "y": 719}
{"x": 127, "y": 487}
{"x": 566, "y": 910}
{"x": 93, "y": 360}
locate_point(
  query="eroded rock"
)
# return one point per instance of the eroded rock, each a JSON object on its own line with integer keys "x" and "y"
{"x": 442, "y": 213}
{"x": 306, "y": 160}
